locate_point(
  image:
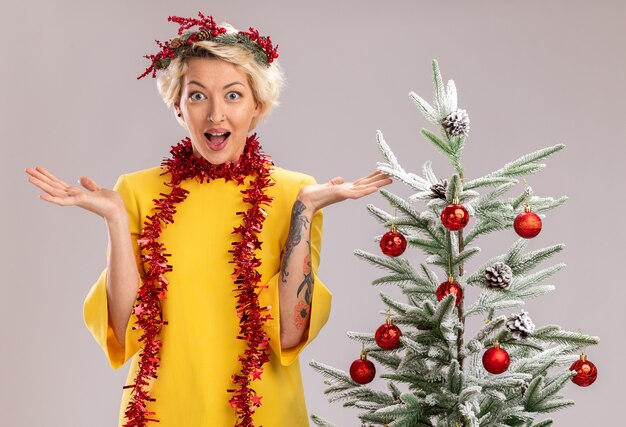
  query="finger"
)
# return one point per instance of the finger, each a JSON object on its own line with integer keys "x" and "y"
{"x": 381, "y": 177}
{"x": 43, "y": 178}
{"x": 51, "y": 177}
{"x": 61, "y": 201}
{"x": 375, "y": 176}
{"x": 89, "y": 184}
{"x": 375, "y": 180}
{"x": 376, "y": 172}
{"x": 383, "y": 182}
{"x": 53, "y": 191}
{"x": 336, "y": 180}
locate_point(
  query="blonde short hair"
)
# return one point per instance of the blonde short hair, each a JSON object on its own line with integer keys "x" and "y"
{"x": 265, "y": 82}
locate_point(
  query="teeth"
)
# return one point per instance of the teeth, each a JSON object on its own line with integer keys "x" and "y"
{"x": 217, "y": 134}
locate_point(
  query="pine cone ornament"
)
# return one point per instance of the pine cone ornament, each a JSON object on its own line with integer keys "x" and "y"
{"x": 520, "y": 325}
{"x": 204, "y": 34}
{"x": 524, "y": 389}
{"x": 439, "y": 190}
{"x": 176, "y": 43}
{"x": 162, "y": 63}
{"x": 498, "y": 276}
{"x": 456, "y": 123}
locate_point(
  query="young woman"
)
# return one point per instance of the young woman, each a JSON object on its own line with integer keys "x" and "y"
{"x": 211, "y": 283}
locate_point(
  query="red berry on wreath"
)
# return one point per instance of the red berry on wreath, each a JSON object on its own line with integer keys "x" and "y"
{"x": 393, "y": 242}
{"x": 527, "y": 224}
{"x": 454, "y": 217}
{"x": 388, "y": 335}
{"x": 362, "y": 370}
{"x": 450, "y": 287}
{"x": 496, "y": 360}
{"x": 587, "y": 373}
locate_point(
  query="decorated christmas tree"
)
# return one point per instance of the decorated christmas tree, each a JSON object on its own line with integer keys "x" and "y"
{"x": 509, "y": 372}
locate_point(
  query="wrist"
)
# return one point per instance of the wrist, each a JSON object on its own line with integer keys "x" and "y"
{"x": 118, "y": 217}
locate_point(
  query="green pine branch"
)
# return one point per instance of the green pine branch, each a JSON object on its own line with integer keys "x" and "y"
{"x": 322, "y": 422}
{"x": 527, "y": 164}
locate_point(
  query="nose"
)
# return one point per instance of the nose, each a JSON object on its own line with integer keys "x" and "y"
{"x": 216, "y": 113}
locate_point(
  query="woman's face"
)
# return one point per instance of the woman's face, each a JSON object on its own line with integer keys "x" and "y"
{"x": 218, "y": 108}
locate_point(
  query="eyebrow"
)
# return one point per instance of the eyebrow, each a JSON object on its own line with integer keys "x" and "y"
{"x": 225, "y": 87}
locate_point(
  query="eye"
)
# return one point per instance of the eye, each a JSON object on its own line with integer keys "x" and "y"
{"x": 196, "y": 96}
{"x": 233, "y": 96}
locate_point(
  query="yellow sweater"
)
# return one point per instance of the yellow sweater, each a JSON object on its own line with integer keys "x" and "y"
{"x": 200, "y": 350}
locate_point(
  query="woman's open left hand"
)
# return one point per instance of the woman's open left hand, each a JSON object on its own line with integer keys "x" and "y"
{"x": 99, "y": 200}
{"x": 318, "y": 196}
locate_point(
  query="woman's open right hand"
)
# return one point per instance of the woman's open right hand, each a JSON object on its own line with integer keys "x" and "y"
{"x": 102, "y": 201}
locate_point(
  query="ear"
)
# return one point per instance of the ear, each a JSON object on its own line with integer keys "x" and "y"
{"x": 177, "y": 110}
{"x": 257, "y": 109}
{"x": 255, "y": 116}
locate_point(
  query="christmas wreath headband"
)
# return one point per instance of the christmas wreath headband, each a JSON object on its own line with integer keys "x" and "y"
{"x": 260, "y": 46}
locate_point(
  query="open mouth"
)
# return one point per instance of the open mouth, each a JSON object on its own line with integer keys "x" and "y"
{"x": 216, "y": 138}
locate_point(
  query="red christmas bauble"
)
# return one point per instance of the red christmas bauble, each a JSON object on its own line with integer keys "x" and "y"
{"x": 388, "y": 336}
{"x": 393, "y": 243}
{"x": 450, "y": 287}
{"x": 496, "y": 360}
{"x": 362, "y": 370}
{"x": 527, "y": 224}
{"x": 454, "y": 217}
{"x": 587, "y": 373}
